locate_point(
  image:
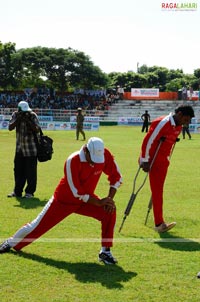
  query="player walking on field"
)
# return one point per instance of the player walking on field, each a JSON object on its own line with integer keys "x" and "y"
{"x": 79, "y": 124}
{"x": 75, "y": 194}
{"x": 165, "y": 129}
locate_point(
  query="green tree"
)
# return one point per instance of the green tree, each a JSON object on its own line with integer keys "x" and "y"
{"x": 127, "y": 80}
{"x": 143, "y": 69}
{"x": 175, "y": 74}
{"x": 85, "y": 74}
{"x": 197, "y": 73}
{"x": 66, "y": 69}
{"x": 8, "y": 70}
{"x": 32, "y": 69}
{"x": 60, "y": 68}
{"x": 152, "y": 79}
{"x": 174, "y": 85}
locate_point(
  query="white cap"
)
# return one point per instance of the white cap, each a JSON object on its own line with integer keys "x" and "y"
{"x": 23, "y": 106}
{"x": 95, "y": 146}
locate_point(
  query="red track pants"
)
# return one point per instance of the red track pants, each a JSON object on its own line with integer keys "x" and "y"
{"x": 157, "y": 177}
{"x": 56, "y": 211}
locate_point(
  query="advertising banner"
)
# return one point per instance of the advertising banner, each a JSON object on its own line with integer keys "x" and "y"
{"x": 194, "y": 128}
{"x": 4, "y": 124}
{"x": 91, "y": 119}
{"x": 144, "y": 92}
{"x": 135, "y": 121}
{"x": 47, "y": 118}
{"x": 68, "y": 126}
{"x": 195, "y": 94}
{"x": 86, "y": 126}
{"x": 46, "y": 123}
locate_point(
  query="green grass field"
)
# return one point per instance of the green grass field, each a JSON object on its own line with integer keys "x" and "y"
{"x": 62, "y": 265}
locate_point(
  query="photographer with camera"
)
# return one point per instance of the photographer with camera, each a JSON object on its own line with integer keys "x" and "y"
{"x": 26, "y": 123}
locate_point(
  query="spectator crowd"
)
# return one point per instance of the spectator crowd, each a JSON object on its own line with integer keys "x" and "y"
{"x": 46, "y": 99}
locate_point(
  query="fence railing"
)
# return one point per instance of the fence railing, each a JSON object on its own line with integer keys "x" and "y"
{"x": 122, "y": 109}
{"x": 57, "y": 114}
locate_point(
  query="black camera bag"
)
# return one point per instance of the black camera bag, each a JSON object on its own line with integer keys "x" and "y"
{"x": 44, "y": 147}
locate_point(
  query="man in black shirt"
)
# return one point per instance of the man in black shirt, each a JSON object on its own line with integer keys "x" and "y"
{"x": 146, "y": 120}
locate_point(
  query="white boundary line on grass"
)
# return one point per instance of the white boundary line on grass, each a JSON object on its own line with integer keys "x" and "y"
{"x": 116, "y": 240}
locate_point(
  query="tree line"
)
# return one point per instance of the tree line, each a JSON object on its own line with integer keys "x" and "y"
{"x": 67, "y": 69}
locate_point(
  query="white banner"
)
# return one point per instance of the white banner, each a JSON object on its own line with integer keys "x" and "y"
{"x": 68, "y": 126}
{"x": 4, "y": 125}
{"x": 194, "y": 128}
{"x": 144, "y": 92}
{"x": 195, "y": 94}
{"x": 91, "y": 124}
{"x": 46, "y": 118}
{"x": 90, "y": 119}
{"x": 130, "y": 121}
{"x": 86, "y": 126}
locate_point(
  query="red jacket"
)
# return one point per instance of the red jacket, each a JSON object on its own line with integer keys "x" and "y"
{"x": 81, "y": 178}
{"x": 163, "y": 126}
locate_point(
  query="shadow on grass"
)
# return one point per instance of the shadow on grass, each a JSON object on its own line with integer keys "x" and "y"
{"x": 109, "y": 276}
{"x": 30, "y": 203}
{"x": 175, "y": 243}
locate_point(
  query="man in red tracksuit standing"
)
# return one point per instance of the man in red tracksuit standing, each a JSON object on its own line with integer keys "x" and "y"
{"x": 75, "y": 194}
{"x": 163, "y": 131}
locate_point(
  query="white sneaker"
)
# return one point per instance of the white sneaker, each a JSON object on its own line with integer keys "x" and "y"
{"x": 28, "y": 195}
{"x": 164, "y": 227}
{"x": 13, "y": 195}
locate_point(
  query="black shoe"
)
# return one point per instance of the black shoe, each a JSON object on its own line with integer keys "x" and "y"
{"x": 4, "y": 247}
{"x": 107, "y": 258}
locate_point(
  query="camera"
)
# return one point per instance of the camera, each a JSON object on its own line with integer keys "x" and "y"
{"x": 24, "y": 115}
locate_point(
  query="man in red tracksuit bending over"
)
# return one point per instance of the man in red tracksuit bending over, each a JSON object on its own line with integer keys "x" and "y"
{"x": 165, "y": 130}
{"x": 75, "y": 194}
